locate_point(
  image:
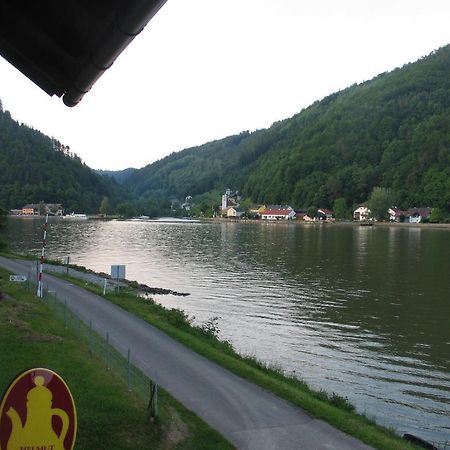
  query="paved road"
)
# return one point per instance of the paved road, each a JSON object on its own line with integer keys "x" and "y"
{"x": 247, "y": 415}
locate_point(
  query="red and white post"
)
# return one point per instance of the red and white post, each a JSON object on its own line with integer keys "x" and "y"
{"x": 40, "y": 289}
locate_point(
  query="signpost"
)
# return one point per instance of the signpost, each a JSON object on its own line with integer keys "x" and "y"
{"x": 18, "y": 278}
{"x": 66, "y": 262}
{"x": 38, "y": 412}
{"x": 118, "y": 273}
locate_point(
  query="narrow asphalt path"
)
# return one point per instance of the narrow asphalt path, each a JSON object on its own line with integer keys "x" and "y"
{"x": 247, "y": 415}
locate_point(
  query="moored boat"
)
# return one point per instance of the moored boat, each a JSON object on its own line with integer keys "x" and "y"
{"x": 76, "y": 216}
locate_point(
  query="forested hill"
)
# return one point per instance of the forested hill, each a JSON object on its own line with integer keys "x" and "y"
{"x": 119, "y": 175}
{"x": 392, "y": 131}
{"x": 34, "y": 168}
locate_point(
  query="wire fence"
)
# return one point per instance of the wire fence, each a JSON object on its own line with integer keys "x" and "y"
{"x": 102, "y": 344}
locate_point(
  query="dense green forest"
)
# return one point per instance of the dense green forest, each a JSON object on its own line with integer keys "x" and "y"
{"x": 34, "y": 168}
{"x": 3, "y": 242}
{"x": 119, "y": 175}
{"x": 391, "y": 132}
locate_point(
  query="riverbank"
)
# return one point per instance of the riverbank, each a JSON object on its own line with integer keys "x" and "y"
{"x": 104, "y": 279}
{"x": 302, "y": 223}
{"x": 319, "y": 223}
{"x": 203, "y": 339}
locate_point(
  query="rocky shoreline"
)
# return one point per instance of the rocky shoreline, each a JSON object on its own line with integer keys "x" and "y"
{"x": 99, "y": 278}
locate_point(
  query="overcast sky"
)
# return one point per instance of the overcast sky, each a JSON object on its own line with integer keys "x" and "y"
{"x": 206, "y": 69}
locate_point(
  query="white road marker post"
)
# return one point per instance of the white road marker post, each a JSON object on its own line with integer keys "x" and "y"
{"x": 40, "y": 289}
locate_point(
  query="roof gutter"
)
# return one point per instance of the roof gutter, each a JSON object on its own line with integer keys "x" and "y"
{"x": 130, "y": 20}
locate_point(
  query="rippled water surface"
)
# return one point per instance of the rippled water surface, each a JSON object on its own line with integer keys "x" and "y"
{"x": 360, "y": 311}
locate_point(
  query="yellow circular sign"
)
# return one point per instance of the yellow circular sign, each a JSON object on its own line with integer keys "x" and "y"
{"x": 38, "y": 413}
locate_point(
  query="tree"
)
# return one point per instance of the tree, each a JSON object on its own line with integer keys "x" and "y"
{"x": 126, "y": 209}
{"x": 42, "y": 208}
{"x": 340, "y": 209}
{"x": 380, "y": 200}
{"x": 105, "y": 207}
{"x": 312, "y": 211}
{"x": 437, "y": 215}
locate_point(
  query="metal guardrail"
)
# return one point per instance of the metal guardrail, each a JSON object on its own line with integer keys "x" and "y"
{"x": 108, "y": 349}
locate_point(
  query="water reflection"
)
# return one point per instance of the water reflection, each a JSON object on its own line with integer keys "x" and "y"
{"x": 362, "y": 311}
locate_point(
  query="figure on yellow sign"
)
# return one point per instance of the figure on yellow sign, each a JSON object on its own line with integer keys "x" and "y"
{"x": 38, "y": 431}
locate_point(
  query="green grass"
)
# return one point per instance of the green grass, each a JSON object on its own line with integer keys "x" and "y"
{"x": 332, "y": 408}
{"x": 109, "y": 417}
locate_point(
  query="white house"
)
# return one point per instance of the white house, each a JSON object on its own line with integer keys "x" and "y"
{"x": 278, "y": 213}
{"x": 187, "y": 205}
{"x": 361, "y": 213}
{"x": 234, "y": 211}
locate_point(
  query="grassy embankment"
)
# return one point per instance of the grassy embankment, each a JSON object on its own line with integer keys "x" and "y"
{"x": 109, "y": 417}
{"x": 332, "y": 408}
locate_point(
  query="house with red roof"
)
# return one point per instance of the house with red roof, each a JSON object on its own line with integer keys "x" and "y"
{"x": 324, "y": 214}
{"x": 417, "y": 215}
{"x": 396, "y": 215}
{"x": 411, "y": 215}
{"x": 278, "y": 212}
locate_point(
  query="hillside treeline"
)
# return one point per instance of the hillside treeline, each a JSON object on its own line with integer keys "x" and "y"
{"x": 34, "y": 168}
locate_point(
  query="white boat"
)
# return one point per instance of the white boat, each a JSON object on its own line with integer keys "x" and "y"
{"x": 140, "y": 218}
{"x": 175, "y": 220}
{"x": 76, "y": 216}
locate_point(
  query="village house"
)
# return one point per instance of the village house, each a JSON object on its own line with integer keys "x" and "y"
{"x": 187, "y": 205}
{"x": 36, "y": 209}
{"x": 54, "y": 209}
{"x": 235, "y": 212}
{"x": 417, "y": 215}
{"x": 300, "y": 214}
{"x": 229, "y": 199}
{"x": 396, "y": 215}
{"x": 324, "y": 214}
{"x": 278, "y": 212}
{"x": 257, "y": 211}
{"x": 362, "y": 213}
{"x": 30, "y": 209}
{"x": 411, "y": 215}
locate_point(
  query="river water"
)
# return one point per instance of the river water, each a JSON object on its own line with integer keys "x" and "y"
{"x": 360, "y": 311}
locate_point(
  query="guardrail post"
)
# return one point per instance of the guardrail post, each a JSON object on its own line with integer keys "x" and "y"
{"x": 107, "y": 350}
{"x": 90, "y": 336}
{"x": 129, "y": 370}
{"x": 153, "y": 403}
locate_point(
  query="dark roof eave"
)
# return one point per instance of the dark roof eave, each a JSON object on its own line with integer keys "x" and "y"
{"x": 130, "y": 21}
